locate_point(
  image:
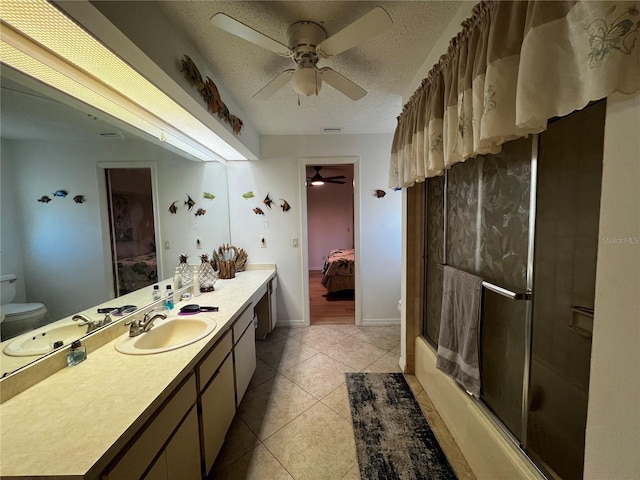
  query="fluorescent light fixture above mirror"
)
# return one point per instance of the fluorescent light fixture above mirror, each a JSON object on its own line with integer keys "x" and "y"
{"x": 40, "y": 41}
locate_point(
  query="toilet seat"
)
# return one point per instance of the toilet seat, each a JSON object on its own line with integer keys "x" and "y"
{"x": 14, "y": 312}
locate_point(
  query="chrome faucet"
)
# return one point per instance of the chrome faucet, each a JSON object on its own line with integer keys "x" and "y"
{"x": 138, "y": 327}
{"x": 89, "y": 323}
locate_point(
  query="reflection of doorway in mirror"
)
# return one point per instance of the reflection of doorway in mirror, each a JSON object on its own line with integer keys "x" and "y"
{"x": 132, "y": 228}
{"x": 330, "y": 227}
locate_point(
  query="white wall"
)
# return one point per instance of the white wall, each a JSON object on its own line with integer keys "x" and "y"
{"x": 61, "y": 241}
{"x": 613, "y": 419}
{"x": 278, "y": 173}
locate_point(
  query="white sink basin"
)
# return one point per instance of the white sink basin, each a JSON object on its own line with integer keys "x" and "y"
{"x": 166, "y": 335}
{"x": 41, "y": 341}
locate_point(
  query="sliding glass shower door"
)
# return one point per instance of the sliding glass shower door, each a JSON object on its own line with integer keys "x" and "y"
{"x": 566, "y": 246}
{"x": 526, "y": 220}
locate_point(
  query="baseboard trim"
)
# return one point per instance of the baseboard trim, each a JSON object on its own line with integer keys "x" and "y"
{"x": 379, "y": 322}
{"x": 291, "y": 323}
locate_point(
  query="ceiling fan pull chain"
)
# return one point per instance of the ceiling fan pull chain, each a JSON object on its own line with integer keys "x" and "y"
{"x": 298, "y": 99}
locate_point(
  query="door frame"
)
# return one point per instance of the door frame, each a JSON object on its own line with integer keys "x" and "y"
{"x": 304, "y": 162}
{"x": 103, "y": 205}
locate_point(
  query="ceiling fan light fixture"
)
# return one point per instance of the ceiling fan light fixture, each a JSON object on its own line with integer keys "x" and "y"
{"x": 317, "y": 183}
{"x": 307, "y": 81}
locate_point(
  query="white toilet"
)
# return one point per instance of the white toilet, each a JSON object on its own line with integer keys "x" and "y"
{"x": 17, "y": 318}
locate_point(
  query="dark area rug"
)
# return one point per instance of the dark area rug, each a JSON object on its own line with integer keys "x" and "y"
{"x": 393, "y": 439}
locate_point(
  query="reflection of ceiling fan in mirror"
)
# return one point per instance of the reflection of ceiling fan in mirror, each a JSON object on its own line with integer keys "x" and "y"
{"x": 308, "y": 43}
{"x": 318, "y": 179}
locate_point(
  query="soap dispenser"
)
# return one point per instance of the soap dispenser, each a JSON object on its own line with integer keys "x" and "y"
{"x": 77, "y": 354}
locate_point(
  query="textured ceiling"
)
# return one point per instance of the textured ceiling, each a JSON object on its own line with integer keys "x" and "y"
{"x": 384, "y": 65}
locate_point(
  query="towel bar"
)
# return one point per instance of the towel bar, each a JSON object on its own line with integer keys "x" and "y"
{"x": 499, "y": 290}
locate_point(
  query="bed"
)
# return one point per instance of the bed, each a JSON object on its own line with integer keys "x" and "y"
{"x": 137, "y": 272}
{"x": 338, "y": 272}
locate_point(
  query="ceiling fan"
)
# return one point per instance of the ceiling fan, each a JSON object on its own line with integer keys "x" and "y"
{"x": 318, "y": 179}
{"x": 307, "y": 44}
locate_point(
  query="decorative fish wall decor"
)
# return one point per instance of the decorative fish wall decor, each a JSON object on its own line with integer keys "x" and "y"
{"x": 248, "y": 195}
{"x": 79, "y": 199}
{"x": 60, "y": 193}
{"x": 210, "y": 94}
{"x": 200, "y": 211}
{"x": 258, "y": 211}
{"x": 267, "y": 201}
{"x": 172, "y": 208}
{"x": 285, "y": 205}
{"x": 190, "y": 203}
{"x": 380, "y": 193}
{"x": 44, "y": 199}
{"x": 208, "y": 196}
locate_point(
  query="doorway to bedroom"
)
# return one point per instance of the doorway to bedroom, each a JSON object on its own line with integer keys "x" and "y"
{"x": 132, "y": 230}
{"x": 330, "y": 243}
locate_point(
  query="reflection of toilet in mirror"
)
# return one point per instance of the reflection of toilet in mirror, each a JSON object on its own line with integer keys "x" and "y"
{"x": 17, "y": 318}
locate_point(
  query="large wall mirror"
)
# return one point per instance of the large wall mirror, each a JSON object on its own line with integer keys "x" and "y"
{"x": 60, "y": 248}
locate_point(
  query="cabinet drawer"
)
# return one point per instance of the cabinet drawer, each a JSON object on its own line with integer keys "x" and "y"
{"x": 214, "y": 359}
{"x": 141, "y": 453}
{"x": 241, "y": 324}
{"x": 218, "y": 408}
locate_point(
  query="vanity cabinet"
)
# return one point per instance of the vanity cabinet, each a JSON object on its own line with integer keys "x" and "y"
{"x": 162, "y": 449}
{"x": 244, "y": 351}
{"x": 216, "y": 398}
{"x": 181, "y": 457}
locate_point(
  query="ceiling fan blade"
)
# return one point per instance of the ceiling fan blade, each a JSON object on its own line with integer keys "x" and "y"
{"x": 342, "y": 84}
{"x": 274, "y": 85}
{"x": 336, "y": 177}
{"x": 366, "y": 27}
{"x": 239, "y": 29}
{"x": 334, "y": 181}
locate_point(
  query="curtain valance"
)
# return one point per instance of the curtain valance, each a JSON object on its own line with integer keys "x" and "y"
{"x": 514, "y": 65}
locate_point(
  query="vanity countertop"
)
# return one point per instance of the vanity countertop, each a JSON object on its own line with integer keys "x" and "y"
{"x": 69, "y": 425}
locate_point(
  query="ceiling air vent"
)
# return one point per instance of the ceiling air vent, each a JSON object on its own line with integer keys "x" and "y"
{"x": 331, "y": 130}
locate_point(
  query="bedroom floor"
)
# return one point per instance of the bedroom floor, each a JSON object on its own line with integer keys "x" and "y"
{"x": 337, "y": 308}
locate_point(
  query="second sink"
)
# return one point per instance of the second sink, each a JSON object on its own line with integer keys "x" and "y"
{"x": 166, "y": 335}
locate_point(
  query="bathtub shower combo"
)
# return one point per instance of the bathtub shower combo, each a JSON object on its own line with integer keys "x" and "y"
{"x": 525, "y": 220}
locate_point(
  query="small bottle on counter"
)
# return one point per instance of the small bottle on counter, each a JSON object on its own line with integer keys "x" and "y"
{"x": 77, "y": 354}
{"x": 177, "y": 280}
{"x": 156, "y": 293}
{"x": 195, "y": 285}
{"x": 168, "y": 301}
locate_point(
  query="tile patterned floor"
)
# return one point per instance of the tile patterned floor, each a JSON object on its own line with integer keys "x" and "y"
{"x": 294, "y": 421}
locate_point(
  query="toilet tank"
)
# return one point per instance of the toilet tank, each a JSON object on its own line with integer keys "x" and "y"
{"x": 7, "y": 288}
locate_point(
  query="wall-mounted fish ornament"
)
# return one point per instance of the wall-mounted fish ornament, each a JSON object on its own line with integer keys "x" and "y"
{"x": 208, "y": 196}
{"x": 44, "y": 199}
{"x": 79, "y": 199}
{"x": 248, "y": 195}
{"x": 285, "y": 205}
{"x": 267, "y": 201}
{"x": 190, "y": 203}
{"x": 258, "y": 211}
{"x": 201, "y": 211}
{"x": 380, "y": 193}
{"x": 60, "y": 193}
{"x": 173, "y": 208}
